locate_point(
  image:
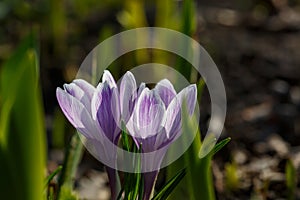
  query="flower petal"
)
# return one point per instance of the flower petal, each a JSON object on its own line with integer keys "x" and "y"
{"x": 141, "y": 88}
{"x": 76, "y": 113}
{"x": 166, "y": 91}
{"x": 106, "y": 110}
{"x": 173, "y": 121}
{"x": 128, "y": 95}
{"x": 154, "y": 142}
{"x": 188, "y": 95}
{"x": 74, "y": 90}
{"x": 86, "y": 87}
{"x": 148, "y": 116}
{"x": 109, "y": 78}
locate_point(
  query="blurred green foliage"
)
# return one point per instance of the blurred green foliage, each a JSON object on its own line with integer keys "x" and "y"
{"x": 231, "y": 177}
{"x": 22, "y": 130}
{"x": 291, "y": 179}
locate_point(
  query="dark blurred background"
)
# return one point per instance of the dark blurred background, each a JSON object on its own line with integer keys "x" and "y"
{"x": 255, "y": 44}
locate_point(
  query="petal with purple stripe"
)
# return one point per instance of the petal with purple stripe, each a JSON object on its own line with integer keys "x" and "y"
{"x": 149, "y": 114}
{"x": 166, "y": 91}
{"x": 86, "y": 87}
{"x": 76, "y": 113}
{"x": 128, "y": 95}
{"x": 188, "y": 95}
{"x": 105, "y": 110}
{"x": 75, "y": 91}
{"x": 107, "y": 77}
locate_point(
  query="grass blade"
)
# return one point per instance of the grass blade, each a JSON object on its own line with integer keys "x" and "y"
{"x": 220, "y": 145}
{"x": 52, "y": 175}
{"x": 170, "y": 186}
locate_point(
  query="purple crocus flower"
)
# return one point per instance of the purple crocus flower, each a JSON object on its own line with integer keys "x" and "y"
{"x": 152, "y": 117}
{"x": 156, "y": 123}
{"x": 94, "y": 112}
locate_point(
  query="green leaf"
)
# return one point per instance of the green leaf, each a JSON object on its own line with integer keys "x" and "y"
{"x": 72, "y": 159}
{"x": 132, "y": 181}
{"x": 138, "y": 179}
{"x": 187, "y": 188}
{"x": 134, "y": 184}
{"x": 200, "y": 88}
{"x": 141, "y": 189}
{"x": 22, "y": 129}
{"x": 220, "y": 145}
{"x": 134, "y": 15}
{"x": 198, "y": 183}
{"x": 51, "y": 194}
{"x": 67, "y": 193}
{"x": 125, "y": 139}
{"x": 188, "y": 25}
{"x": 291, "y": 179}
{"x": 170, "y": 186}
{"x": 166, "y": 14}
{"x": 52, "y": 175}
{"x": 188, "y": 17}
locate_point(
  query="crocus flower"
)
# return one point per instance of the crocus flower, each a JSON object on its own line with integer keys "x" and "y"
{"x": 156, "y": 122}
{"x": 94, "y": 112}
{"x": 152, "y": 117}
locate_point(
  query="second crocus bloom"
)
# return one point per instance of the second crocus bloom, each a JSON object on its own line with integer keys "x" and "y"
{"x": 156, "y": 122}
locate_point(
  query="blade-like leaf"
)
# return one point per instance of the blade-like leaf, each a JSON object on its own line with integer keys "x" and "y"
{"x": 188, "y": 25}
{"x": 125, "y": 139}
{"x": 170, "y": 186}
{"x": 141, "y": 189}
{"x": 220, "y": 145}
{"x": 22, "y": 131}
{"x": 187, "y": 188}
{"x": 52, "y": 175}
{"x": 138, "y": 178}
{"x": 132, "y": 181}
{"x": 198, "y": 183}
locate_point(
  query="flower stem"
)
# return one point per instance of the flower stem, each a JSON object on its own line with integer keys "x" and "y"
{"x": 149, "y": 183}
{"x": 114, "y": 182}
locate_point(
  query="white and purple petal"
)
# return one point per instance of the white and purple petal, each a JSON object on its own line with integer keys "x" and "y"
{"x": 86, "y": 87}
{"x": 106, "y": 111}
{"x": 107, "y": 77}
{"x": 76, "y": 113}
{"x": 149, "y": 114}
{"x": 173, "y": 120}
{"x": 188, "y": 95}
{"x": 75, "y": 91}
{"x": 128, "y": 94}
{"x": 166, "y": 91}
{"x": 141, "y": 88}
